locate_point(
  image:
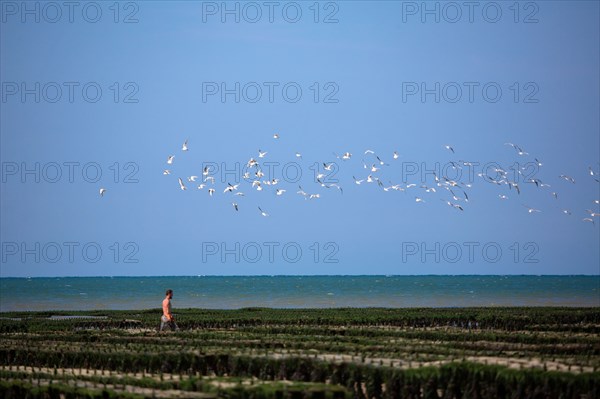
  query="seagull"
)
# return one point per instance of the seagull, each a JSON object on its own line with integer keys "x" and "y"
{"x": 166, "y": 172}
{"x": 327, "y": 166}
{"x": 211, "y": 191}
{"x": 396, "y": 187}
{"x": 181, "y": 185}
{"x": 369, "y": 152}
{"x": 192, "y": 178}
{"x": 276, "y": 136}
{"x": 596, "y": 201}
{"x": 252, "y": 162}
{"x": 515, "y": 185}
{"x": 257, "y": 184}
{"x": 566, "y": 211}
{"x": 455, "y": 206}
{"x": 240, "y": 194}
{"x": 298, "y": 155}
{"x": 211, "y": 179}
{"x": 102, "y": 191}
{"x": 538, "y": 162}
{"x": 263, "y": 212}
{"x": 374, "y": 168}
{"x": 279, "y": 192}
{"x": 396, "y": 155}
{"x": 380, "y": 161}
{"x": 449, "y": 148}
{"x": 205, "y": 171}
{"x": 230, "y": 187}
{"x": 184, "y": 147}
{"x": 457, "y": 166}
{"x": 591, "y": 171}
{"x": 311, "y": 196}
{"x": 235, "y": 206}
{"x": 501, "y": 196}
{"x": 592, "y": 213}
{"x": 301, "y": 192}
{"x": 346, "y": 156}
{"x": 201, "y": 186}
{"x": 531, "y": 210}
{"x": 517, "y": 148}
{"x": 261, "y": 154}
{"x": 555, "y": 195}
{"x": 588, "y": 220}
{"x": 567, "y": 178}
{"x": 417, "y": 199}
{"x": 170, "y": 159}
{"x": 357, "y": 181}
{"x": 336, "y": 186}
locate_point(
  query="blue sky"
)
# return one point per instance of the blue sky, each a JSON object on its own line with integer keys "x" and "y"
{"x": 155, "y": 65}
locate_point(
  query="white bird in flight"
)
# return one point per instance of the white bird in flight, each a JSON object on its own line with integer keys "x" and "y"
{"x": 517, "y": 148}
{"x": 567, "y": 178}
{"x": 328, "y": 166}
{"x": 357, "y": 181}
{"x": 170, "y": 159}
{"x": 166, "y": 172}
{"x": 235, "y": 206}
{"x": 279, "y": 192}
{"x": 184, "y": 147}
{"x": 530, "y": 209}
{"x": 261, "y": 154}
{"x": 276, "y": 136}
{"x": 102, "y": 191}
{"x": 181, "y": 185}
{"x": 449, "y": 148}
{"x": 230, "y": 187}
{"x": 265, "y": 214}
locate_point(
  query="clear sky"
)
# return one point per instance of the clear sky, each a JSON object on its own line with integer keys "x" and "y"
{"x": 83, "y": 94}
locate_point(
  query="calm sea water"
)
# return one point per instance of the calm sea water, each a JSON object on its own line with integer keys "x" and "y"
{"x": 84, "y": 293}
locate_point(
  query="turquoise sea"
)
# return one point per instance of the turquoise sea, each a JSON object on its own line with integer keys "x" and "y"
{"x": 220, "y": 292}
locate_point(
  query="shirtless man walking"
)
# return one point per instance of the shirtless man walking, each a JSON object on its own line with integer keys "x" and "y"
{"x": 167, "y": 318}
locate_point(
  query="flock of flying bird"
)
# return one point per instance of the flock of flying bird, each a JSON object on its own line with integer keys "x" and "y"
{"x": 457, "y": 190}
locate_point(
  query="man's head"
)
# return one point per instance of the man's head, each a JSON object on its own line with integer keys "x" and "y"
{"x": 169, "y": 294}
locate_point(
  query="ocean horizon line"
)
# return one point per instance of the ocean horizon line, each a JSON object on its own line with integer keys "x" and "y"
{"x": 309, "y": 275}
